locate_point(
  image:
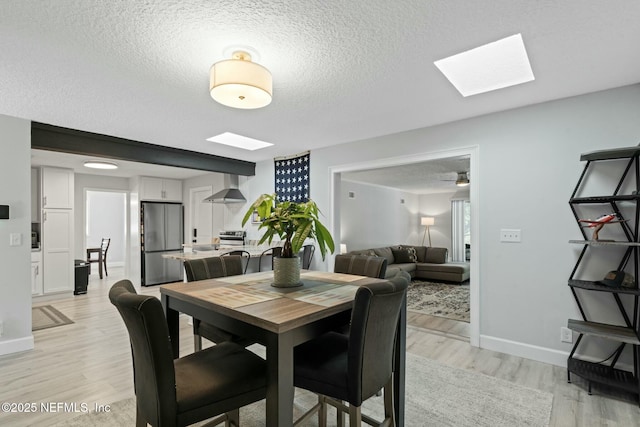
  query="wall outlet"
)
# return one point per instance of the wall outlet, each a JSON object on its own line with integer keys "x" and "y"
{"x": 566, "y": 335}
{"x": 510, "y": 235}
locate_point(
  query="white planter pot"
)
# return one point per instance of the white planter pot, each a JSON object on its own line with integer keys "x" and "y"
{"x": 286, "y": 272}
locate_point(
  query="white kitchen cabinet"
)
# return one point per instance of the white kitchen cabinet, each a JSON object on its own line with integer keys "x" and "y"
{"x": 57, "y": 188}
{"x": 160, "y": 189}
{"x": 36, "y": 273}
{"x": 57, "y": 250}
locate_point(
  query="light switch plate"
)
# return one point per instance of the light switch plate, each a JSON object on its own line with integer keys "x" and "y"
{"x": 15, "y": 239}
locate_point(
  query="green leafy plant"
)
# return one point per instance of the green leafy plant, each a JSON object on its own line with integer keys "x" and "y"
{"x": 291, "y": 221}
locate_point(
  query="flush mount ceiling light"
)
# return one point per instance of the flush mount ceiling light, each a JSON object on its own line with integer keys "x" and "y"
{"x": 240, "y": 83}
{"x": 239, "y": 141}
{"x": 97, "y": 164}
{"x": 496, "y": 65}
{"x": 463, "y": 179}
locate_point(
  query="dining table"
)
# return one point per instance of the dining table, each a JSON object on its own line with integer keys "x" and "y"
{"x": 280, "y": 319}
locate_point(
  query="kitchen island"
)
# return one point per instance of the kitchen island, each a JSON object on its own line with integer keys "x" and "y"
{"x": 192, "y": 251}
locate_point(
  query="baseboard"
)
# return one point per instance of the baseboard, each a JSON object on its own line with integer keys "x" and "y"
{"x": 528, "y": 351}
{"x": 16, "y": 345}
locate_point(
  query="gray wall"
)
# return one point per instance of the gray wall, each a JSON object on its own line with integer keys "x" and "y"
{"x": 15, "y": 261}
{"x": 375, "y": 217}
{"x": 524, "y": 297}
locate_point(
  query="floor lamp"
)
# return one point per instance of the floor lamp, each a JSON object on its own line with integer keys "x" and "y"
{"x": 427, "y": 221}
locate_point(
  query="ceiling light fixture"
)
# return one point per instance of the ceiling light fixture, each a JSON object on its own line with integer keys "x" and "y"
{"x": 463, "y": 179}
{"x": 240, "y": 83}
{"x": 495, "y": 65}
{"x": 97, "y": 164}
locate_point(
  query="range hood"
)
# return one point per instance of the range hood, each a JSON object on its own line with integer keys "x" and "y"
{"x": 230, "y": 193}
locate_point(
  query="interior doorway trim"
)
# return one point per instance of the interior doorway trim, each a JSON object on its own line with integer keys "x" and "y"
{"x": 192, "y": 192}
{"x": 473, "y": 153}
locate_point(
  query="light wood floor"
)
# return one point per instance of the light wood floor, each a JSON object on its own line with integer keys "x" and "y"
{"x": 90, "y": 362}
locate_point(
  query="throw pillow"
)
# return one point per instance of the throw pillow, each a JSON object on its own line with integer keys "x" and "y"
{"x": 413, "y": 253}
{"x": 403, "y": 255}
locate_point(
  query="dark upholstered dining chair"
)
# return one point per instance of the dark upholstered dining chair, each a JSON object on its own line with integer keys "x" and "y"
{"x": 210, "y": 268}
{"x": 307, "y": 256}
{"x": 246, "y": 256}
{"x": 271, "y": 252}
{"x": 362, "y": 265}
{"x": 356, "y": 366}
{"x": 180, "y": 392}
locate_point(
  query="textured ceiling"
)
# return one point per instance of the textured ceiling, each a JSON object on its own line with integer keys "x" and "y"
{"x": 342, "y": 70}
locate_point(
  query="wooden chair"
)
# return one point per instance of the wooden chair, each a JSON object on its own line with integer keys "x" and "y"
{"x": 216, "y": 381}
{"x": 102, "y": 256}
{"x": 307, "y": 256}
{"x": 271, "y": 252}
{"x": 210, "y": 268}
{"x": 244, "y": 254}
{"x": 362, "y": 265}
{"x": 354, "y": 367}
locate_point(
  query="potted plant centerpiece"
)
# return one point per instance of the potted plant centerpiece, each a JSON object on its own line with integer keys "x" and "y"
{"x": 292, "y": 222}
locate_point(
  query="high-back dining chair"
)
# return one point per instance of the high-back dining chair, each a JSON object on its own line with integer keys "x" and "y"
{"x": 271, "y": 252}
{"x": 246, "y": 256}
{"x": 210, "y": 268}
{"x": 102, "y": 255}
{"x": 307, "y": 256}
{"x": 180, "y": 392}
{"x": 354, "y": 367}
{"x": 362, "y": 265}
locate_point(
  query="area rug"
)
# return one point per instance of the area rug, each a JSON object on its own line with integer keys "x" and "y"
{"x": 436, "y": 395}
{"x": 45, "y": 316}
{"x": 439, "y": 299}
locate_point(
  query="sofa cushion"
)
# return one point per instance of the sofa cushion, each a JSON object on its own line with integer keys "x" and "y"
{"x": 450, "y": 267}
{"x": 436, "y": 255}
{"x": 385, "y": 253}
{"x": 421, "y": 251}
{"x": 365, "y": 252}
{"x": 404, "y": 254}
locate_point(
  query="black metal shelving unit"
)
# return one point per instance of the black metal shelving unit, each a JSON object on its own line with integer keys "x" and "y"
{"x": 627, "y": 334}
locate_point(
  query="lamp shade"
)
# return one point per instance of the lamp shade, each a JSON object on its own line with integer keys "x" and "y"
{"x": 427, "y": 220}
{"x": 343, "y": 248}
{"x": 240, "y": 83}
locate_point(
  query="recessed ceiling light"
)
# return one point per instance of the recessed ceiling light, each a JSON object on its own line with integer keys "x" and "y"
{"x": 96, "y": 164}
{"x": 496, "y": 65}
{"x": 239, "y": 141}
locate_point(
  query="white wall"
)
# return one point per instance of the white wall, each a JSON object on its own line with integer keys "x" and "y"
{"x": 438, "y": 206}
{"x": 15, "y": 261}
{"x": 376, "y": 217}
{"x": 106, "y": 218}
{"x": 524, "y": 297}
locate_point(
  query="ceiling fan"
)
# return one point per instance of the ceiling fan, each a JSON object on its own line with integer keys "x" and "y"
{"x": 461, "y": 181}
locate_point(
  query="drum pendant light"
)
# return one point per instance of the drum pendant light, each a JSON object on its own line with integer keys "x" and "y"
{"x": 240, "y": 83}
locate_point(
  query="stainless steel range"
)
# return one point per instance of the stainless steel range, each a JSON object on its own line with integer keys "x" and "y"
{"x": 232, "y": 238}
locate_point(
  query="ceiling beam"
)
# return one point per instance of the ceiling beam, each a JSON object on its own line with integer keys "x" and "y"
{"x": 54, "y": 138}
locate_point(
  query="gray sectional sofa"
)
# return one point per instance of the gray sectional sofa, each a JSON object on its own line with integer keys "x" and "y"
{"x": 421, "y": 262}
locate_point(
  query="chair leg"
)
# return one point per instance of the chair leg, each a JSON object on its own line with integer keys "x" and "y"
{"x": 105, "y": 267}
{"x": 197, "y": 339}
{"x": 388, "y": 403}
{"x": 233, "y": 418}
{"x": 355, "y": 416}
{"x": 322, "y": 412}
{"x": 340, "y": 417}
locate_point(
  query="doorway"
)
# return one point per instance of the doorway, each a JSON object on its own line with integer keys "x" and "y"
{"x": 106, "y": 217}
{"x": 335, "y": 194}
{"x": 206, "y": 219}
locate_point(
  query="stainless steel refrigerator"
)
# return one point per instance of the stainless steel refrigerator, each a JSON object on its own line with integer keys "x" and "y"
{"x": 161, "y": 232}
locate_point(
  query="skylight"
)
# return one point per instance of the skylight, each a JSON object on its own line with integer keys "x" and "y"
{"x": 496, "y": 65}
{"x": 239, "y": 141}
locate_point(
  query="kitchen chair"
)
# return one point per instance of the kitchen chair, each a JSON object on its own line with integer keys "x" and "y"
{"x": 102, "y": 256}
{"x": 210, "y": 268}
{"x": 356, "y": 366}
{"x": 244, "y": 254}
{"x": 216, "y": 381}
{"x": 307, "y": 256}
{"x": 271, "y": 252}
{"x": 362, "y": 265}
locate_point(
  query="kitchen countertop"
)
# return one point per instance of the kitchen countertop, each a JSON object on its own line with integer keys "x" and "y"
{"x": 254, "y": 251}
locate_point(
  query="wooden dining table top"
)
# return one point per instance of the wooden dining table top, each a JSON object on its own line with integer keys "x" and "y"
{"x": 251, "y": 297}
